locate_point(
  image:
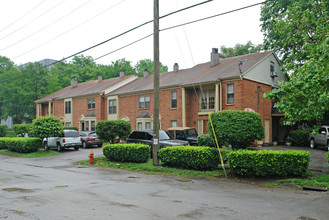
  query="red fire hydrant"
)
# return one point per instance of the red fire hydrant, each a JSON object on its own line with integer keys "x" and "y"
{"x": 91, "y": 156}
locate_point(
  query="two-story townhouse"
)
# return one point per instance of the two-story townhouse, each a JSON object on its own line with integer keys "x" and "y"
{"x": 187, "y": 96}
{"x": 81, "y": 104}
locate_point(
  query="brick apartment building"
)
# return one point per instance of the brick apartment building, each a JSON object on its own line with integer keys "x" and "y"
{"x": 186, "y": 96}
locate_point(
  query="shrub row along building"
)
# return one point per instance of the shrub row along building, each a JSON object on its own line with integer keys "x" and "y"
{"x": 186, "y": 96}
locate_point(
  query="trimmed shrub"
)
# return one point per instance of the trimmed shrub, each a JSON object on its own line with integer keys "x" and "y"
{"x": 21, "y": 145}
{"x": 111, "y": 130}
{"x": 47, "y": 126}
{"x": 269, "y": 163}
{"x": 225, "y": 151}
{"x": 189, "y": 157}
{"x": 70, "y": 128}
{"x": 238, "y": 128}
{"x": 206, "y": 140}
{"x": 138, "y": 153}
{"x": 22, "y": 129}
{"x": 299, "y": 138}
{"x": 3, "y": 130}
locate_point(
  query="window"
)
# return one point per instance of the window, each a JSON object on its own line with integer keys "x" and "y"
{"x": 92, "y": 125}
{"x": 144, "y": 101}
{"x": 173, "y": 123}
{"x": 147, "y": 125}
{"x": 230, "y": 93}
{"x": 112, "y": 106}
{"x": 272, "y": 67}
{"x": 139, "y": 125}
{"x": 208, "y": 99}
{"x": 68, "y": 107}
{"x": 91, "y": 103}
{"x": 87, "y": 125}
{"x": 174, "y": 99}
{"x": 67, "y": 124}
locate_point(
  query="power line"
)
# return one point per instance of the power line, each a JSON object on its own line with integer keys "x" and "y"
{"x": 38, "y": 31}
{"x": 119, "y": 35}
{"x": 28, "y": 23}
{"x": 23, "y": 16}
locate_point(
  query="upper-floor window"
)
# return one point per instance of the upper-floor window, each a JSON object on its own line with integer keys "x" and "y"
{"x": 230, "y": 93}
{"x": 144, "y": 101}
{"x": 68, "y": 107}
{"x": 208, "y": 99}
{"x": 174, "y": 99}
{"x": 91, "y": 103}
{"x": 112, "y": 106}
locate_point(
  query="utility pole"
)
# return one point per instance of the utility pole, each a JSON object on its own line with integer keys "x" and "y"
{"x": 156, "y": 84}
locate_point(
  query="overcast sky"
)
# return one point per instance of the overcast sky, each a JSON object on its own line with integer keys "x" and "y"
{"x": 37, "y": 29}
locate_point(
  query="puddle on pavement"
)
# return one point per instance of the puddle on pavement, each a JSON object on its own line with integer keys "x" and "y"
{"x": 14, "y": 189}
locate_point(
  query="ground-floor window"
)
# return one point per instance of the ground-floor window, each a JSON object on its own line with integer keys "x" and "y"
{"x": 173, "y": 123}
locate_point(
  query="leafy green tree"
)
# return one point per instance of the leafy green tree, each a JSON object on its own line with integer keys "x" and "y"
{"x": 113, "y": 70}
{"x": 3, "y": 130}
{"x": 239, "y": 49}
{"x": 47, "y": 126}
{"x": 113, "y": 130}
{"x": 148, "y": 64}
{"x": 238, "y": 128}
{"x": 298, "y": 31}
{"x": 22, "y": 129}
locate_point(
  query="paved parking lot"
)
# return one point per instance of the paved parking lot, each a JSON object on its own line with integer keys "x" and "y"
{"x": 318, "y": 164}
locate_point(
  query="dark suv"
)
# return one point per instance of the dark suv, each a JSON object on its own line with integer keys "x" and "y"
{"x": 185, "y": 133}
{"x": 146, "y": 137}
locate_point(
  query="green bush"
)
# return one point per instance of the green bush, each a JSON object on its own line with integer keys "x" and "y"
{"x": 3, "y": 130}
{"x": 70, "y": 128}
{"x": 190, "y": 157}
{"x": 269, "y": 163}
{"x": 47, "y": 126}
{"x": 238, "y": 128}
{"x": 21, "y": 145}
{"x": 206, "y": 140}
{"x": 138, "y": 153}
{"x": 111, "y": 130}
{"x": 225, "y": 151}
{"x": 22, "y": 129}
{"x": 299, "y": 138}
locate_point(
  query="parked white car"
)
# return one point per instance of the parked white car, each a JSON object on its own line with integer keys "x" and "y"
{"x": 320, "y": 139}
{"x": 70, "y": 138}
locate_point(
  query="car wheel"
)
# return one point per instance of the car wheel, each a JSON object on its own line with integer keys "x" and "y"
{"x": 46, "y": 145}
{"x": 76, "y": 148}
{"x": 84, "y": 145}
{"x": 312, "y": 143}
{"x": 59, "y": 148}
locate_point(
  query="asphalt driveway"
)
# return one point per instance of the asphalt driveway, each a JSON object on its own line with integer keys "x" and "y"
{"x": 318, "y": 164}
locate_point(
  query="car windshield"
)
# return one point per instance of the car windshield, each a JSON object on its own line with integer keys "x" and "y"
{"x": 71, "y": 134}
{"x": 190, "y": 132}
{"x": 93, "y": 134}
{"x": 163, "y": 135}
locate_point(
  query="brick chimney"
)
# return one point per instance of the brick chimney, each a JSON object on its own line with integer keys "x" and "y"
{"x": 100, "y": 78}
{"x": 146, "y": 73}
{"x": 122, "y": 74}
{"x": 74, "y": 82}
{"x": 176, "y": 67}
{"x": 214, "y": 57}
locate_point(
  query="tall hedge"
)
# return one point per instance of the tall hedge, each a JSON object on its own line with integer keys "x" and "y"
{"x": 238, "y": 128}
{"x": 3, "y": 130}
{"x": 47, "y": 126}
{"x": 299, "y": 138}
{"x": 111, "y": 130}
{"x": 22, "y": 129}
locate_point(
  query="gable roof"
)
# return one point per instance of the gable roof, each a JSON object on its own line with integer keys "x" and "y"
{"x": 83, "y": 89}
{"x": 201, "y": 73}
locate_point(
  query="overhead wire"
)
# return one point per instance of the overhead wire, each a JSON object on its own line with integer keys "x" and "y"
{"x": 48, "y": 26}
{"x": 23, "y": 16}
{"x": 112, "y": 38}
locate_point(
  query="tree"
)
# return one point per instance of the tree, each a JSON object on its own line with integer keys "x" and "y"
{"x": 239, "y": 49}
{"x": 114, "y": 69}
{"x": 111, "y": 130}
{"x": 47, "y": 126}
{"x": 238, "y": 128}
{"x": 148, "y": 64}
{"x": 22, "y": 129}
{"x": 298, "y": 31}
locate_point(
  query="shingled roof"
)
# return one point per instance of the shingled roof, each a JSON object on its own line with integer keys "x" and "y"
{"x": 83, "y": 89}
{"x": 201, "y": 73}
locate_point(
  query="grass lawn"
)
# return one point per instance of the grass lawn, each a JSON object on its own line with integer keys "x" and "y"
{"x": 40, "y": 153}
